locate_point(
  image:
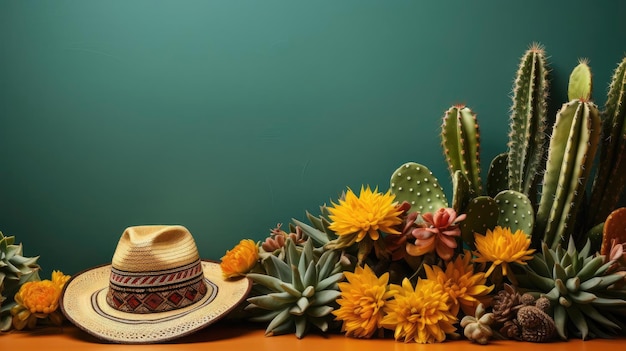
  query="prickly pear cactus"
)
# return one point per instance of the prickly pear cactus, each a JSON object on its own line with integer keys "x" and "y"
{"x": 461, "y": 143}
{"x": 528, "y": 121}
{"x": 515, "y": 211}
{"x": 415, "y": 183}
{"x": 482, "y": 213}
{"x": 610, "y": 179}
{"x": 497, "y": 176}
{"x": 509, "y": 208}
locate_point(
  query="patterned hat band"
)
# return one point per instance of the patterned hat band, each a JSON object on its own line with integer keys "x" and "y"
{"x": 148, "y": 292}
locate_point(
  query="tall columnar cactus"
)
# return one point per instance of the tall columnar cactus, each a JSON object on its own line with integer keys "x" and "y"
{"x": 610, "y": 178}
{"x": 528, "y": 121}
{"x": 573, "y": 145}
{"x": 461, "y": 143}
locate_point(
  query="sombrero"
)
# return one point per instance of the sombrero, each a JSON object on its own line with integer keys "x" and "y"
{"x": 155, "y": 289}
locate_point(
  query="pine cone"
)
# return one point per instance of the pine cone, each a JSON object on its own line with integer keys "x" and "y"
{"x": 512, "y": 330}
{"x": 506, "y": 303}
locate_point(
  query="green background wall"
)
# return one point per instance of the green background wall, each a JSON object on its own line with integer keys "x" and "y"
{"x": 231, "y": 116}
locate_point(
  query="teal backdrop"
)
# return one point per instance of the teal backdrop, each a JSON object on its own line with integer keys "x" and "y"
{"x": 229, "y": 117}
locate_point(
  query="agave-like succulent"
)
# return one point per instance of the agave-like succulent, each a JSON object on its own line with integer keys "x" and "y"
{"x": 15, "y": 270}
{"x": 300, "y": 291}
{"x": 584, "y": 298}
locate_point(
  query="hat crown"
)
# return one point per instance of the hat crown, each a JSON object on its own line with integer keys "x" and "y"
{"x": 155, "y": 269}
{"x": 154, "y": 248}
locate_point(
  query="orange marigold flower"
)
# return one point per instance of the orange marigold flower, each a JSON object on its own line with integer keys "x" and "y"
{"x": 501, "y": 247}
{"x": 362, "y": 299}
{"x": 239, "y": 260}
{"x": 39, "y": 297}
{"x": 422, "y": 314}
{"x": 38, "y": 300}
{"x": 466, "y": 288}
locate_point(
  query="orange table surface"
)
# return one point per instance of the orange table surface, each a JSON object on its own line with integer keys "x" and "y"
{"x": 229, "y": 336}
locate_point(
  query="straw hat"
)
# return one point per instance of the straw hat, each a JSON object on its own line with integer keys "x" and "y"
{"x": 155, "y": 289}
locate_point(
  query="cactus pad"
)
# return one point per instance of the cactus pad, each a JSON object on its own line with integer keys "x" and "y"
{"x": 515, "y": 211}
{"x": 415, "y": 183}
{"x": 482, "y": 214}
{"x": 497, "y": 177}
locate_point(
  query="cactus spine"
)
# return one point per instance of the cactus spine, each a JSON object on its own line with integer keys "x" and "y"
{"x": 461, "y": 142}
{"x": 610, "y": 177}
{"x": 528, "y": 121}
{"x": 573, "y": 145}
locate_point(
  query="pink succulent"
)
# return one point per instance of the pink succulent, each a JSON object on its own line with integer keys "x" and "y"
{"x": 278, "y": 237}
{"x": 438, "y": 233}
{"x": 617, "y": 254}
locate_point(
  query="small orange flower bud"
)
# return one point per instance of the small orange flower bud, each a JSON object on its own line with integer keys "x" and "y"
{"x": 239, "y": 260}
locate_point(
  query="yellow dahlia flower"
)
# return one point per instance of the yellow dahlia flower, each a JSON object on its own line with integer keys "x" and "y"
{"x": 38, "y": 300}
{"x": 422, "y": 314}
{"x": 501, "y": 247}
{"x": 466, "y": 288}
{"x": 59, "y": 278}
{"x": 362, "y": 299}
{"x": 365, "y": 215}
{"x": 240, "y": 260}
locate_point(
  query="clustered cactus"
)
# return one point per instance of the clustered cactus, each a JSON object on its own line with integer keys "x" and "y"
{"x": 573, "y": 285}
{"x": 573, "y": 145}
{"x": 542, "y": 186}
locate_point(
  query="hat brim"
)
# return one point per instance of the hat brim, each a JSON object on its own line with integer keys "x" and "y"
{"x": 83, "y": 303}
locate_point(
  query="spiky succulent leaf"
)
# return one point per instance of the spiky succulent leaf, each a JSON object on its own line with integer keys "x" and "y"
{"x": 585, "y": 297}
{"x": 15, "y": 270}
{"x": 302, "y": 296}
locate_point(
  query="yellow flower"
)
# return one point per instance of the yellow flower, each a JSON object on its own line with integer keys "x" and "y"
{"x": 367, "y": 214}
{"x": 501, "y": 247}
{"x": 362, "y": 299}
{"x": 239, "y": 260}
{"x": 466, "y": 288}
{"x": 59, "y": 278}
{"x": 421, "y": 315}
{"x": 38, "y": 300}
